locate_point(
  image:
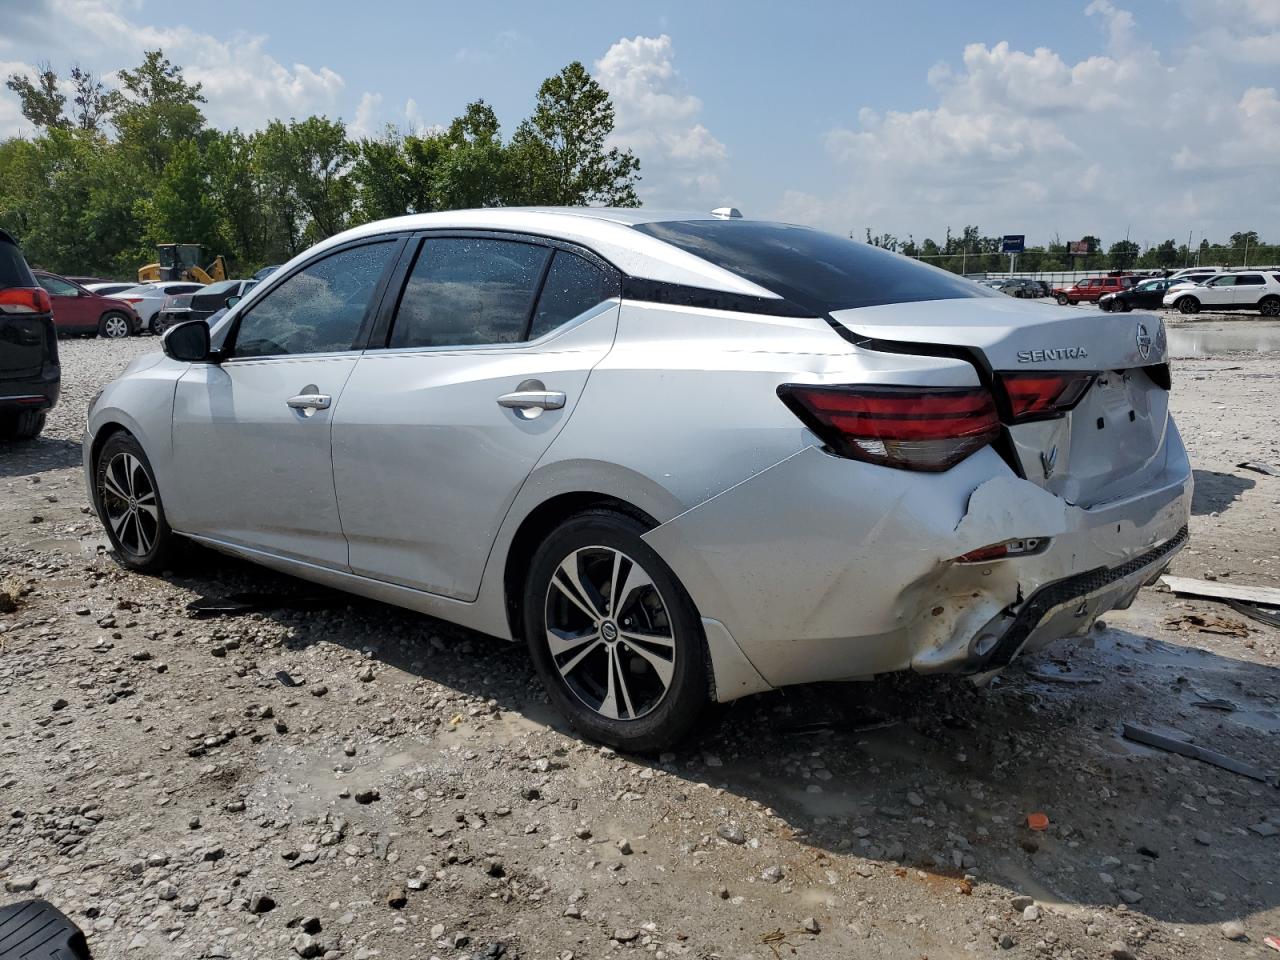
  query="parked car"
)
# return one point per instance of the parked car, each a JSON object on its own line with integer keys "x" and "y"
{"x": 1188, "y": 272}
{"x": 83, "y": 312}
{"x": 1092, "y": 289}
{"x": 1245, "y": 290}
{"x": 1022, "y": 287}
{"x": 30, "y": 377}
{"x": 109, "y": 288}
{"x": 1146, "y": 295}
{"x": 202, "y": 304}
{"x": 148, "y": 298}
{"x": 543, "y": 425}
{"x": 266, "y": 272}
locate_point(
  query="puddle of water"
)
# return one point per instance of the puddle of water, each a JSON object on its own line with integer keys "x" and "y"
{"x": 1217, "y": 337}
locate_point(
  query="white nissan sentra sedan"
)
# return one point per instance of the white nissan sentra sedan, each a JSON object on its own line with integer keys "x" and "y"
{"x": 682, "y": 456}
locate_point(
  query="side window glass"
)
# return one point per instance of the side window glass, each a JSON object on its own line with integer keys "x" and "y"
{"x": 466, "y": 291}
{"x": 58, "y": 288}
{"x": 574, "y": 285}
{"x": 1249, "y": 280}
{"x": 319, "y": 309}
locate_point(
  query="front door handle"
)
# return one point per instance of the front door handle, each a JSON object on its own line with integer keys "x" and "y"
{"x": 310, "y": 401}
{"x": 532, "y": 400}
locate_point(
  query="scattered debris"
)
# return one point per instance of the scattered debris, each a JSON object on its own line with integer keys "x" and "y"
{"x": 1208, "y": 623}
{"x": 1258, "y": 466}
{"x": 1038, "y": 821}
{"x": 1186, "y": 748}
{"x": 1186, "y": 586}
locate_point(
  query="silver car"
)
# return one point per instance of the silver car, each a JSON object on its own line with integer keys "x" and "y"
{"x": 682, "y": 457}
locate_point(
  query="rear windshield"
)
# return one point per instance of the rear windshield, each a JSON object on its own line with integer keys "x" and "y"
{"x": 815, "y": 270}
{"x": 13, "y": 269}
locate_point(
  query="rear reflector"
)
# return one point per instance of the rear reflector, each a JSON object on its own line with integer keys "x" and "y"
{"x": 25, "y": 300}
{"x": 1001, "y": 551}
{"x": 911, "y": 428}
{"x": 1039, "y": 396}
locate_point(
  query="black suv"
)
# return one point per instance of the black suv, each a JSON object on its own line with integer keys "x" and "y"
{"x": 30, "y": 377}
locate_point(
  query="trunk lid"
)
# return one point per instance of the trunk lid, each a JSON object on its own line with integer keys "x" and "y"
{"x": 1112, "y": 442}
{"x": 23, "y": 346}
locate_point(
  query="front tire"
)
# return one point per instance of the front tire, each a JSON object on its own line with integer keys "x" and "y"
{"x": 1270, "y": 307}
{"x": 1062, "y": 299}
{"x": 1188, "y": 305}
{"x": 114, "y": 326}
{"x": 129, "y": 506}
{"x": 613, "y": 635}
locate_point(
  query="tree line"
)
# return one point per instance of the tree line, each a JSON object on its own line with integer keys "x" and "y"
{"x": 971, "y": 252}
{"x": 117, "y": 170}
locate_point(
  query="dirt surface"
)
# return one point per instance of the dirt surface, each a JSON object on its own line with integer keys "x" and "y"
{"x": 330, "y": 777}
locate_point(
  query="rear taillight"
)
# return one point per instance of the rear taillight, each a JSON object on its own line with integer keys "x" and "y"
{"x": 25, "y": 300}
{"x": 1039, "y": 396}
{"x": 911, "y": 428}
{"x": 131, "y": 299}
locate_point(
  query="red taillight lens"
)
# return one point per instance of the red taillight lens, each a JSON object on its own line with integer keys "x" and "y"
{"x": 911, "y": 428}
{"x": 131, "y": 299}
{"x": 1038, "y": 396}
{"x": 25, "y": 300}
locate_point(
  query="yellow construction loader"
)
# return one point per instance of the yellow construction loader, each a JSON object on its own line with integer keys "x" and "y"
{"x": 181, "y": 261}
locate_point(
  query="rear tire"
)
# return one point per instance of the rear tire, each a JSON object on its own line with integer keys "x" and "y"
{"x": 114, "y": 326}
{"x": 1188, "y": 305}
{"x": 633, "y": 675}
{"x": 154, "y": 325}
{"x": 23, "y": 425}
{"x": 129, "y": 506}
{"x": 1270, "y": 307}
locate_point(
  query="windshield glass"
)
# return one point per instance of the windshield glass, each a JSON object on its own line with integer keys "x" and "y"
{"x": 812, "y": 269}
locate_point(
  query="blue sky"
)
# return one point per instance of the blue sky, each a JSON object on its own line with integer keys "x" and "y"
{"x": 1155, "y": 117}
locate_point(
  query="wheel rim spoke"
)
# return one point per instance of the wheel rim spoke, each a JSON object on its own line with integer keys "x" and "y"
{"x": 144, "y": 541}
{"x": 615, "y": 664}
{"x": 568, "y": 592}
{"x": 569, "y": 667}
{"x": 562, "y": 641}
{"x": 635, "y": 579}
{"x": 663, "y": 667}
{"x": 112, "y": 487}
{"x": 117, "y": 523}
{"x": 590, "y": 600}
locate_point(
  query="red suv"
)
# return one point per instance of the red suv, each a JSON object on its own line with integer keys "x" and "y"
{"x": 1093, "y": 288}
{"x": 81, "y": 311}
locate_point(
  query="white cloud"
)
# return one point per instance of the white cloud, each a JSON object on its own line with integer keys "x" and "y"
{"x": 365, "y": 122}
{"x": 681, "y": 161}
{"x": 1019, "y": 141}
{"x": 245, "y": 85}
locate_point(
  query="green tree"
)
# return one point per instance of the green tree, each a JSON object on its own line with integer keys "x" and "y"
{"x": 559, "y": 154}
{"x": 383, "y": 181}
{"x": 94, "y": 103}
{"x": 156, "y": 110}
{"x": 1123, "y": 254}
{"x": 41, "y": 101}
{"x": 181, "y": 207}
{"x": 307, "y": 163}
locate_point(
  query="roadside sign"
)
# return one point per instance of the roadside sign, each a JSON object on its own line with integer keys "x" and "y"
{"x": 1013, "y": 243}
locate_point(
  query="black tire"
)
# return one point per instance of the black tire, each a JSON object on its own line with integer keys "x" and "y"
{"x": 1269, "y": 306}
{"x": 154, "y": 325}
{"x": 661, "y": 602}
{"x": 114, "y": 325}
{"x": 1062, "y": 299}
{"x": 141, "y": 541}
{"x": 1119, "y": 306}
{"x": 1188, "y": 305}
{"x": 21, "y": 425}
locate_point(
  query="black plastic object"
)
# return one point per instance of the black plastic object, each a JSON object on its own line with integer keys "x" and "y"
{"x": 37, "y": 930}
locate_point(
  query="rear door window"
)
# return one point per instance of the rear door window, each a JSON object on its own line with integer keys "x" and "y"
{"x": 57, "y": 287}
{"x": 13, "y": 267}
{"x": 468, "y": 291}
{"x": 1249, "y": 280}
{"x": 573, "y": 286}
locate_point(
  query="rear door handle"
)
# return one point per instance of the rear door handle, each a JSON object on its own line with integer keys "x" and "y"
{"x": 532, "y": 400}
{"x": 310, "y": 401}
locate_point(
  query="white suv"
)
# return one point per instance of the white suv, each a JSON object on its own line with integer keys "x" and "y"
{"x": 1242, "y": 290}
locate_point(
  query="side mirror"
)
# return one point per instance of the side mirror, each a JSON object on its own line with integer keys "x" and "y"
{"x": 188, "y": 342}
{"x": 231, "y": 301}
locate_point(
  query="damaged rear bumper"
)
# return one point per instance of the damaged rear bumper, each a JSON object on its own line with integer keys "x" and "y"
{"x": 821, "y": 568}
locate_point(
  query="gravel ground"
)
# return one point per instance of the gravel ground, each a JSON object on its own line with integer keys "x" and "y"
{"x": 336, "y": 778}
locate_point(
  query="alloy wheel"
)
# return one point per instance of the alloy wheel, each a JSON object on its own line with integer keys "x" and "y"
{"x": 129, "y": 501}
{"x": 115, "y": 326}
{"x": 609, "y": 632}
{"x": 1271, "y": 308}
